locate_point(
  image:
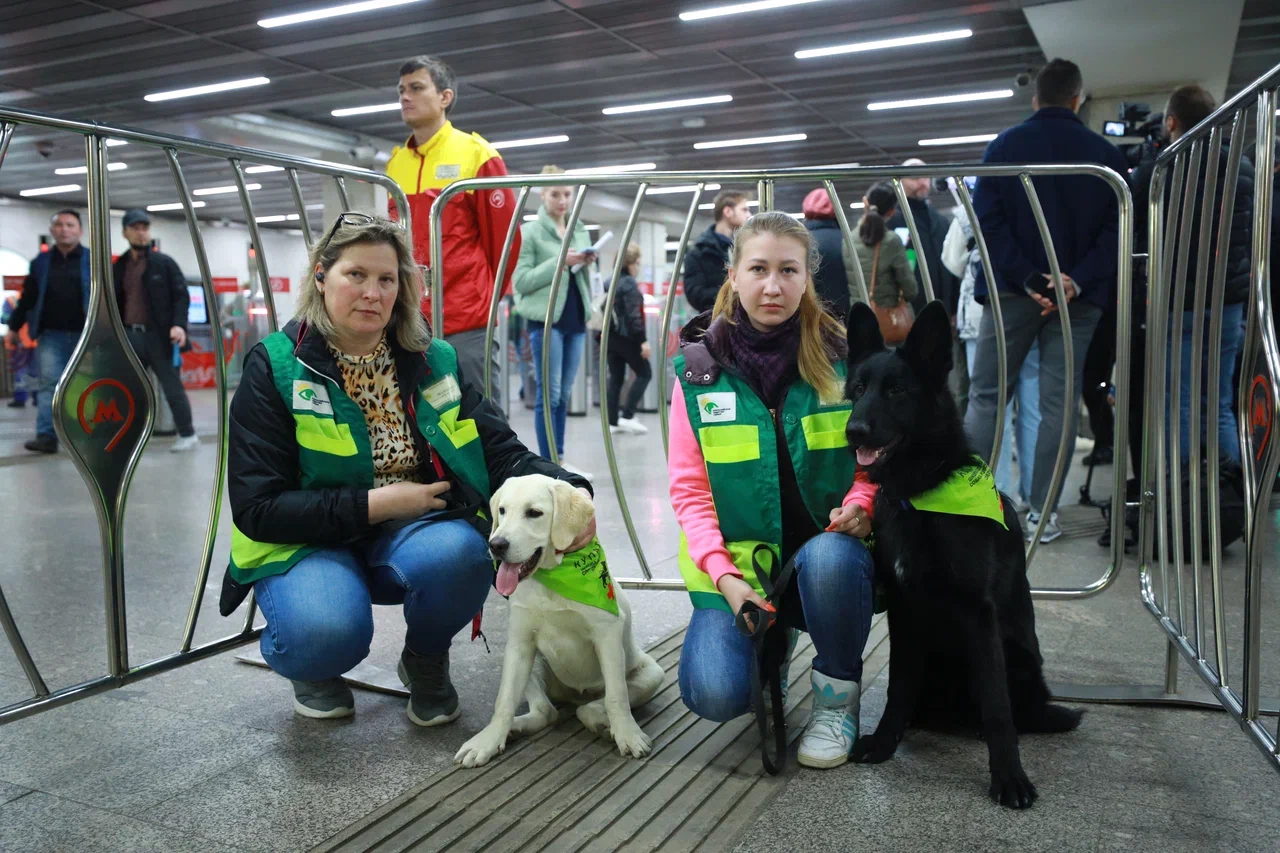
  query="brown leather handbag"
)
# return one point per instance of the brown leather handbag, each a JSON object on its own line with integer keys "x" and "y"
{"x": 895, "y": 322}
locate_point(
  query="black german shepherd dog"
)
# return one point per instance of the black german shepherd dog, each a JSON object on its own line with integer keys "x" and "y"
{"x": 963, "y": 652}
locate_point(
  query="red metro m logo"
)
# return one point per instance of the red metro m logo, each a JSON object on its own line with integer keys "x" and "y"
{"x": 105, "y": 411}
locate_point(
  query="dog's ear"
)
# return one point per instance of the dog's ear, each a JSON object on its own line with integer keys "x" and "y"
{"x": 570, "y": 513}
{"x": 863, "y": 330}
{"x": 928, "y": 344}
{"x": 493, "y": 509}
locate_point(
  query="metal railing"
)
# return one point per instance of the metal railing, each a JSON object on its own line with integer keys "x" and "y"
{"x": 104, "y": 363}
{"x": 1189, "y": 172}
{"x": 766, "y": 182}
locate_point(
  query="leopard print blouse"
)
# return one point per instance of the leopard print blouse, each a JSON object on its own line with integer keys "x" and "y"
{"x": 370, "y": 381}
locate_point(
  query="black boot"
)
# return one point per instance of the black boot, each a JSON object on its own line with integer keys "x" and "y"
{"x": 42, "y": 444}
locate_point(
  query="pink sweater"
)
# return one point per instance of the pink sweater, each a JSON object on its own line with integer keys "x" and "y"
{"x": 691, "y": 495}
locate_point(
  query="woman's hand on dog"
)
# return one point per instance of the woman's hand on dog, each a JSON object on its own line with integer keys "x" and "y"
{"x": 406, "y": 500}
{"x": 588, "y": 533}
{"x": 851, "y": 520}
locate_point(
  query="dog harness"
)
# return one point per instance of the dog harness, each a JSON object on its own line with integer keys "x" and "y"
{"x": 582, "y": 576}
{"x": 968, "y": 491}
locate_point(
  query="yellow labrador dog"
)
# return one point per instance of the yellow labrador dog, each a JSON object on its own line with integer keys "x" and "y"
{"x": 569, "y": 638}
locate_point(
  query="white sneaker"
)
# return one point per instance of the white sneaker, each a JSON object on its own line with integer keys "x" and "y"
{"x": 632, "y": 426}
{"x": 185, "y": 443}
{"x": 1051, "y": 530}
{"x": 573, "y": 469}
{"x": 833, "y": 723}
{"x": 615, "y": 429}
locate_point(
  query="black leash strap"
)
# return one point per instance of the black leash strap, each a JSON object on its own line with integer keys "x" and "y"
{"x": 755, "y": 622}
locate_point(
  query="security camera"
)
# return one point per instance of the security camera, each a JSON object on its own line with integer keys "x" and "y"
{"x": 1022, "y": 79}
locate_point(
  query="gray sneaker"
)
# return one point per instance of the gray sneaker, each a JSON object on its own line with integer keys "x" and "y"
{"x": 323, "y": 700}
{"x": 1051, "y": 530}
{"x": 432, "y": 699}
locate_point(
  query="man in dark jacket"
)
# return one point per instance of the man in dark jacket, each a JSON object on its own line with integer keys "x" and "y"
{"x": 707, "y": 258}
{"x": 1082, "y": 215}
{"x": 1187, "y": 107}
{"x": 152, "y": 295}
{"x": 832, "y": 280}
{"x": 53, "y": 307}
{"x": 933, "y": 227}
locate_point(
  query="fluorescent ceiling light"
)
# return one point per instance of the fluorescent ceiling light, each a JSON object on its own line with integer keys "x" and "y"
{"x": 207, "y": 90}
{"x": 740, "y": 8}
{"x": 883, "y": 44}
{"x": 533, "y": 140}
{"x": 667, "y": 105}
{"x": 753, "y": 140}
{"x": 959, "y": 140}
{"x": 112, "y": 143}
{"x": 708, "y": 206}
{"x": 81, "y": 170}
{"x": 359, "y": 111}
{"x": 315, "y": 207}
{"x": 290, "y": 217}
{"x": 605, "y": 170}
{"x": 796, "y": 215}
{"x": 262, "y": 170}
{"x": 177, "y": 205}
{"x": 942, "y": 99}
{"x": 856, "y": 205}
{"x": 531, "y": 217}
{"x": 332, "y": 12}
{"x": 683, "y": 188}
{"x": 592, "y": 227}
{"x": 224, "y": 190}
{"x": 755, "y": 202}
{"x": 65, "y": 188}
{"x": 672, "y": 245}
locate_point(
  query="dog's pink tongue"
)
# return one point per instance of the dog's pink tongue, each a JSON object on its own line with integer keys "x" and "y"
{"x": 867, "y": 455}
{"x": 508, "y": 578}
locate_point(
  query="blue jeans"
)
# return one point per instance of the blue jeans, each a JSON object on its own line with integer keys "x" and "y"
{"x": 53, "y": 349}
{"x": 1232, "y": 340}
{"x": 833, "y": 574}
{"x": 319, "y": 613}
{"x": 566, "y": 357}
{"x": 1021, "y": 434}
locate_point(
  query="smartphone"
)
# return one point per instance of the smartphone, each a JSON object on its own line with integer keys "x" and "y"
{"x": 1037, "y": 283}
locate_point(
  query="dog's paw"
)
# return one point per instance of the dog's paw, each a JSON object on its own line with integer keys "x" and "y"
{"x": 1011, "y": 788}
{"x": 593, "y": 718}
{"x": 870, "y": 749}
{"x": 484, "y": 746}
{"x": 631, "y": 740}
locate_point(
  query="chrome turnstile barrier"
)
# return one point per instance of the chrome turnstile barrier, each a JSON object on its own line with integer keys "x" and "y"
{"x": 766, "y": 182}
{"x": 1192, "y": 169}
{"x": 105, "y": 374}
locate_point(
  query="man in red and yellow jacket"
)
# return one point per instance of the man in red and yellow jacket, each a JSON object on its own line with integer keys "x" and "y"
{"x": 475, "y": 223}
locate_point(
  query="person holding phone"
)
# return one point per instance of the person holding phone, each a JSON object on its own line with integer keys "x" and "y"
{"x": 539, "y": 250}
{"x": 361, "y": 459}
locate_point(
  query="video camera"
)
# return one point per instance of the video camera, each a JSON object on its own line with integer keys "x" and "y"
{"x": 1137, "y": 120}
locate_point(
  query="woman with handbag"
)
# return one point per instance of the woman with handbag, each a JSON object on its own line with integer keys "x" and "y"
{"x": 885, "y": 268}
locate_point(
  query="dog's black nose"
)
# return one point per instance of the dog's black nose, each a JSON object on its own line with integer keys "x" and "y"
{"x": 498, "y": 547}
{"x": 857, "y": 430}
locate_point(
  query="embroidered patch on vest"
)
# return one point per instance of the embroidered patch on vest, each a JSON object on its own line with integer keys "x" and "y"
{"x": 718, "y": 406}
{"x": 311, "y": 397}
{"x": 443, "y": 394}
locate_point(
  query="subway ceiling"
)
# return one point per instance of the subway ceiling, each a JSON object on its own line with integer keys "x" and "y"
{"x": 526, "y": 69}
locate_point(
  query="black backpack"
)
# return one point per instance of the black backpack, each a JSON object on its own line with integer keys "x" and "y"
{"x": 1231, "y": 508}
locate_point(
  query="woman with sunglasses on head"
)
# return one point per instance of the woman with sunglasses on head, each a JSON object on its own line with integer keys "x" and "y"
{"x": 360, "y": 463}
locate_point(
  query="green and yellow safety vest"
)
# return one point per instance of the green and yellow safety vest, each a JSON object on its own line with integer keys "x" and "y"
{"x": 333, "y": 441}
{"x": 738, "y": 438}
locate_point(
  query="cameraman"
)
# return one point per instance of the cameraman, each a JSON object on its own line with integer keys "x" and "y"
{"x": 1187, "y": 107}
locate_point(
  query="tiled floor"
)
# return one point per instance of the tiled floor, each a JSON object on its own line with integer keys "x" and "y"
{"x": 211, "y": 756}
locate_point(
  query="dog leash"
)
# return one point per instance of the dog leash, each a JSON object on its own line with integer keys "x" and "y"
{"x": 775, "y": 588}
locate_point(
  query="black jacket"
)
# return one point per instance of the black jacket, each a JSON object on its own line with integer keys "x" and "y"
{"x": 831, "y": 282}
{"x": 267, "y": 504}
{"x": 628, "y": 311}
{"x": 705, "y": 270}
{"x": 1239, "y": 244}
{"x": 933, "y": 227}
{"x": 167, "y": 297}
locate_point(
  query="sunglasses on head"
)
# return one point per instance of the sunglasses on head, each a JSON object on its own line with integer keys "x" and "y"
{"x": 350, "y": 218}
